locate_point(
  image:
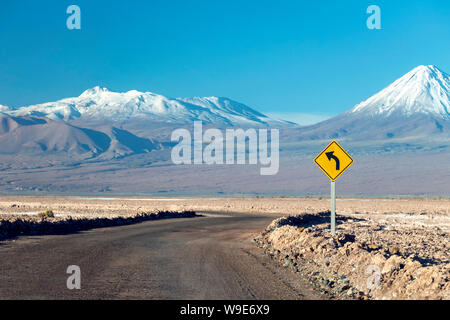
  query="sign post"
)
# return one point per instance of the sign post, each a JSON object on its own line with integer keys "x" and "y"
{"x": 333, "y": 207}
{"x": 333, "y": 160}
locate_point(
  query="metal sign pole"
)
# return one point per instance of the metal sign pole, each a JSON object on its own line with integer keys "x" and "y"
{"x": 333, "y": 207}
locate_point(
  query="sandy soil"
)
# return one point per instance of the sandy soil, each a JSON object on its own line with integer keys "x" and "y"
{"x": 432, "y": 212}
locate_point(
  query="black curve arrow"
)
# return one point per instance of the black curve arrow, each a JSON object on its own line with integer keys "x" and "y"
{"x": 330, "y": 155}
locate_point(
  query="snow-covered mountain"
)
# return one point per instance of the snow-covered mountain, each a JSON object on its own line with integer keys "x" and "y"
{"x": 101, "y": 104}
{"x": 423, "y": 90}
{"x": 417, "y": 105}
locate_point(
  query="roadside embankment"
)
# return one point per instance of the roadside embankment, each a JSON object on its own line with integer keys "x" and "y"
{"x": 366, "y": 259}
{"x": 12, "y": 225}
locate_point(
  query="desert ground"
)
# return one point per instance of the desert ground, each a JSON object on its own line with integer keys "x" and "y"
{"x": 407, "y": 239}
{"x": 428, "y": 211}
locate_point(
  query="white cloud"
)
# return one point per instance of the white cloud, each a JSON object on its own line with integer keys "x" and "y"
{"x": 298, "y": 117}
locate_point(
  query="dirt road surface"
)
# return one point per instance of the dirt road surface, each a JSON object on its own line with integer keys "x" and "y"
{"x": 209, "y": 257}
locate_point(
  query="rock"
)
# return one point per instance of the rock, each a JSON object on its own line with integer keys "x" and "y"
{"x": 373, "y": 246}
{"x": 392, "y": 264}
{"x": 345, "y": 282}
{"x": 344, "y": 288}
{"x": 394, "y": 250}
{"x": 343, "y": 238}
{"x": 325, "y": 282}
{"x": 412, "y": 264}
{"x": 378, "y": 260}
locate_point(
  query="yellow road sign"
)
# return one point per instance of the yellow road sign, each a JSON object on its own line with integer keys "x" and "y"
{"x": 333, "y": 160}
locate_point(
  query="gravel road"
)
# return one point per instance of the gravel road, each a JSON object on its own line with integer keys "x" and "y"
{"x": 209, "y": 257}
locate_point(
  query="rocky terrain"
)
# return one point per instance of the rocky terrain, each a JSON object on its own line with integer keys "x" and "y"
{"x": 370, "y": 257}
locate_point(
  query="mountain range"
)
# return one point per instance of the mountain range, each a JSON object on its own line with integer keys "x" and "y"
{"x": 101, "y": 104}
{"x": 416, "y": 105}
{"x": 104, "y": 140}
{"x": 92, "y": 125}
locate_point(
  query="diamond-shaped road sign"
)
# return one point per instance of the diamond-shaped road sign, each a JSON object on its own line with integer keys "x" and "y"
{"x": 333, "y": 160}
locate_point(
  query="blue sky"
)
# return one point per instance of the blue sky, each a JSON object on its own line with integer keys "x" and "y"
{"x": 299, "y": 59}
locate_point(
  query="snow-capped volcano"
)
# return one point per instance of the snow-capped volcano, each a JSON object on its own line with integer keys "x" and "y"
{"x": 417, "y": 105}
{"x": 423, "y": 90}
{"x": 101, "y": 104}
